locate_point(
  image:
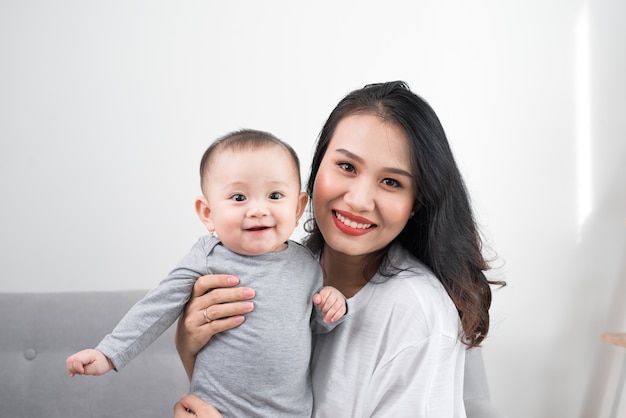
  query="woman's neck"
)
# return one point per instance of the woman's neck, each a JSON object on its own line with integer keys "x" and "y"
{"x": 345, "y": 272}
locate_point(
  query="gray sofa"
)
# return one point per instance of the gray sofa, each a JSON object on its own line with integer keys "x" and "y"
{"x": 39, "y": 330}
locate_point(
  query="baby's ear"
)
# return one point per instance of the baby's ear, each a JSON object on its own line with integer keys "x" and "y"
{"x": 204, "y": 213}
{"x": 303, "y": 198}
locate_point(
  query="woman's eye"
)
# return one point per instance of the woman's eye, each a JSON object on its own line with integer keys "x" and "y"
{"x": 238, "y": 197}
{"x": 275, "y": 195}
{"x": 347, "y": 167}
{"x": 391, "y": 183}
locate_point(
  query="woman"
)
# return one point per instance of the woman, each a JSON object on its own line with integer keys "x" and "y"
{"x": 394, "y": 231}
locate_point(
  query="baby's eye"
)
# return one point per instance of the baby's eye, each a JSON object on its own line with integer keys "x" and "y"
{"x": 275, "y": 195}
{"x": 238, "y": 197}
{"x": 347, "y": 167}
{"x": 391, "y": 183}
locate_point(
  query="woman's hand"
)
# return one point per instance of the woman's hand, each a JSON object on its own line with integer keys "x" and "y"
{"x": 215, "y": 306}
{"x": 190, "y": 405}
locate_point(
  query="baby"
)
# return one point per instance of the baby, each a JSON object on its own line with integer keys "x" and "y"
{"x": 251, "y": 204}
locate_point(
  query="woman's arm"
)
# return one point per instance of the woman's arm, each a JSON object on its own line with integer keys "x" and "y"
{"x": 223, "y": 305}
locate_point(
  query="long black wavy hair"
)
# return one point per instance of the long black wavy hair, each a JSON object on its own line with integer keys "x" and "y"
{"x": 443, "y": 232}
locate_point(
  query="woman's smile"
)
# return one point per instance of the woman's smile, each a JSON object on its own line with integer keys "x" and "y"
{"x": 351, "y": 224}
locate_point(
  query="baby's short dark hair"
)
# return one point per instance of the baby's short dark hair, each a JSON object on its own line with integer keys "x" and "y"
{"x": 245, "y": 139}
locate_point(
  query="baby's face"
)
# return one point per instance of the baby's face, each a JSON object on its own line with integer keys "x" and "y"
{"x": 254, "y": 198}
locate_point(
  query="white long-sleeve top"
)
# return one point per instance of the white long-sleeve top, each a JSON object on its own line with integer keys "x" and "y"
{"x": 398, "y": 354}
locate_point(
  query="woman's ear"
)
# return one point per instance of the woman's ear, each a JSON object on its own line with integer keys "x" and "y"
{"x": 204, "y": 213}
{"x": 303, "y": 198}
{"x": 416, "y": 208}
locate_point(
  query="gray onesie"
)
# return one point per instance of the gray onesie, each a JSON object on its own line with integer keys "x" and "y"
{"x": 259, "y": 369}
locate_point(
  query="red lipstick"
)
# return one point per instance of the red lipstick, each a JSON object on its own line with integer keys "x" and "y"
{"x": 346, "y": 229}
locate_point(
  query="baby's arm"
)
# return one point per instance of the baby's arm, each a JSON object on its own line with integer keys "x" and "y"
{"x": 331, "y": 302}
{"x": 90, "y": 362}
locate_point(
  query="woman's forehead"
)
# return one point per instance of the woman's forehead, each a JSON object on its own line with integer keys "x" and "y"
{"x": 369, "y": 137}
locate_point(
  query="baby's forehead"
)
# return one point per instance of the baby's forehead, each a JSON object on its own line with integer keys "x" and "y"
{"x": 249, "y": 171}
{"x": 231, "y": 153}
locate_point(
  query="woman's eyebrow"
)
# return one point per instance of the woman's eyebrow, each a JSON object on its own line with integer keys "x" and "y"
{"x": 360, "y": 160}
{"x": 350, "y": 155}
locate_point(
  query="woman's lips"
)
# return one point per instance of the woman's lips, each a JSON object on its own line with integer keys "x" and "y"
{"x": 352, "y": 225}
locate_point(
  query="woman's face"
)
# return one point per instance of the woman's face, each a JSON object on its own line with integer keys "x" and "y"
{"x": 363, "y": 193}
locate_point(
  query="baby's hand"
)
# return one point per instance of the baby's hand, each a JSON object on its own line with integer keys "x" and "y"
{"x": 331, "y": 302}
{"x": 90, "y": 362}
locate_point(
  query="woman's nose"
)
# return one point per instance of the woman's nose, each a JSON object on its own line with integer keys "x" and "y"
{"x": 360, "y": 196}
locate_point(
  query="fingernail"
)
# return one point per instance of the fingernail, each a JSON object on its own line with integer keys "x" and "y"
{"x": 248, "y": 293}
{"x": 232, "y": 280}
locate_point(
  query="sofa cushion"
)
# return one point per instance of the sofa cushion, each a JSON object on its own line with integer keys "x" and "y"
{"x": 40, "y": 330}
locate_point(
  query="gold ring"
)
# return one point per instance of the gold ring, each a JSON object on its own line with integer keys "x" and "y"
{"x": 206, "y": 318}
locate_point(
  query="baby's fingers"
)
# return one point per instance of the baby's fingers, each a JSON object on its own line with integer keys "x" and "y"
{"x": 334, "y": 311}
{"x": 74, "y": 366}
{"x": 317, "y": 299}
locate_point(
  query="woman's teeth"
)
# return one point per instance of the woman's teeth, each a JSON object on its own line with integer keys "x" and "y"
{"x": 352, "y": 224}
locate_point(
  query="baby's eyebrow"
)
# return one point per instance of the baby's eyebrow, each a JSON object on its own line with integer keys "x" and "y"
{"x": 241, "y": 186}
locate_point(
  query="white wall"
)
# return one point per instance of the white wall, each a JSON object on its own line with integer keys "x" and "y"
{"x": 106, "y": 107}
